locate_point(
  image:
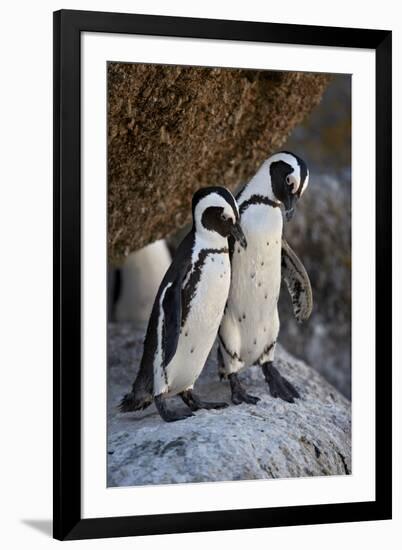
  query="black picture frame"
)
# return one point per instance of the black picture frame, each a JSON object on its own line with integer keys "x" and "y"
{"x": 68, "y": 26}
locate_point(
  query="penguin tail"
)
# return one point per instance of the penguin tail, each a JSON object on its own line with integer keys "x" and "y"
{"x": 133, "y": 402}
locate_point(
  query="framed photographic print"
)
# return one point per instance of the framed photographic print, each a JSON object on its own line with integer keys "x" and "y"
{"x": 222, "y": 274}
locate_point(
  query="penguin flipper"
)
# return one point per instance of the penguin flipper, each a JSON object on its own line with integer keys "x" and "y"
{"x": 298, "y": 283}
{"x": 172, "y": 309}
{"x": 172, "y": 313}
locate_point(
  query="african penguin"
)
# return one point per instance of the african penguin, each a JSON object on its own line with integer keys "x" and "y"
{"x": 250, "y": 325}
{"x": 188, "y": 308}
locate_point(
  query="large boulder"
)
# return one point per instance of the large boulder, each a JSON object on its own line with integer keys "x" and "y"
{"x": 273, "y": 439}
{"x": 320, "y": 233}
{"x": 174, "y": 129}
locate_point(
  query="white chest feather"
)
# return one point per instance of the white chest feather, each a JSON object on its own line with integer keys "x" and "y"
{"x": 202, "y": 322}
{"x": 251, "y": 319}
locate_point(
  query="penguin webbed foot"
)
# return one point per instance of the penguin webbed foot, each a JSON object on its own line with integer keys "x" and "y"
{"x": 239, "y": 394}
{"x": 130, "y": 402}
{"x": 278, "y": 385}
{"x": 195, "y": 403}
{"x": 168, "y": 415}
{"x": 126, "y": 404}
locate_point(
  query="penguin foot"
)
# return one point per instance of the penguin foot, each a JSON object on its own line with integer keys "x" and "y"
{"x": 195, "y": 403}
{"x": 278, "y": 385}
{"x": 239, "y": 394}
{"x": 166, "y": 414}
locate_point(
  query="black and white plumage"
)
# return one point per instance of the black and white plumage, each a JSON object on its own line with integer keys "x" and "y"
{"x": 188, "y": 308}
{"x": 250, "y": 325}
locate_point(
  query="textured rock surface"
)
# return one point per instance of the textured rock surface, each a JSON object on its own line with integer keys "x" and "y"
{"x": 320, "y": 232}
{"x": 271, "y": 440}
{"x": 174, "y": 129}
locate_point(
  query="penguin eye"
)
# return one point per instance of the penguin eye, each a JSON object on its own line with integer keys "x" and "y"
{"x": 291, "y": 181}
{"x": 224, "y": 217}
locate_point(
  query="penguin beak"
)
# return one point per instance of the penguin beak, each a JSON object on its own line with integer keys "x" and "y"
{"x": 289, "y": 204}
{"x": 238, "y": 234}
{"x": 289, "y": 214}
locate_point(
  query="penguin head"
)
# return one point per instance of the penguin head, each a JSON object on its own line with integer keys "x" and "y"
{"x": 288, "y": 180}
{"x": 216, "y": 214}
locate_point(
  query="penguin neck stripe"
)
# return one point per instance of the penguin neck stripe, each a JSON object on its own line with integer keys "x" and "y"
{"x": 257, "y": 199}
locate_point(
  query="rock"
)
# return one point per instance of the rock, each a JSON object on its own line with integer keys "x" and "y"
{"x": 320, "y": 233}
{"x": 140, "y": 277}
{"x": 271, "y": 440}
{"x": 174, "y": 129}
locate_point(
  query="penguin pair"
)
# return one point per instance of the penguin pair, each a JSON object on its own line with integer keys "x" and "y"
{"x": 225, "y": 277}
